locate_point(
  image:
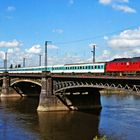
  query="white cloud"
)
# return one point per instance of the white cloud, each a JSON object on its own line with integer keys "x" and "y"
{"x": 59, "y": 31}
{"x": 13, "y": 43}
{"x": 65, "y": 59}
{"x": 124, "y": 8}
{"x": 105, "y": 37}
{"x": 105, "y": 2}
{"x": 2, "y": 54}
{"x": 50, "y": 46}
{"x": 10, "y": 51}
{"x": 127, "y": 39}
{"x": 35, "y": 49}
{"x": 136, "y": 51}
{"x": 119, "y": 5}
{"x": 125, "y": 44}
{"x": 106, "y": 54}
{"x": 10, "y": 8}
{"x": 121, "y": 1}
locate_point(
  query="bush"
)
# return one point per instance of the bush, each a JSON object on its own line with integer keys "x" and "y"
{"x": 100, "y": 138}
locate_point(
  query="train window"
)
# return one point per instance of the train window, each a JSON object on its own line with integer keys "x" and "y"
{"x": 98, "y": 67}
{"x": 95, "y": 67}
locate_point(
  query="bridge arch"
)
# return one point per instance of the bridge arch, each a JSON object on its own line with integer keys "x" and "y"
{"x": 24, "y": 80}
{"x": 26, "y": 87}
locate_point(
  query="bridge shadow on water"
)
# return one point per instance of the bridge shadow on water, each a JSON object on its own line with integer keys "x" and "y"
{"x": 60, "y": 125}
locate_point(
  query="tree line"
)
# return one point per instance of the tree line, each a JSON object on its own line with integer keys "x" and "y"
{"x": 16, "y": 66}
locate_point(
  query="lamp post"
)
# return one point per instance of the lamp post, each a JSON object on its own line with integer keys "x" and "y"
{"x": 5, "y": 62}
{"x": 24, "y": 61}
{"x": 93, "y": 52}
{"x": 46, "y": 45}
{"x": 39, "y": 59}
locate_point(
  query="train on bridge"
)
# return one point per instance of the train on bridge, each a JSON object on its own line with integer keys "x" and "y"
{"x": 116, "y": 67}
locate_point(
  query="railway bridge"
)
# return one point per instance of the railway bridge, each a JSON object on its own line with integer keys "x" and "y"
{"x": 65, "y": 92}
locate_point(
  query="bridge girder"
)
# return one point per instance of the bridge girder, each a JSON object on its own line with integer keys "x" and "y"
{"x": 61, "y": 86}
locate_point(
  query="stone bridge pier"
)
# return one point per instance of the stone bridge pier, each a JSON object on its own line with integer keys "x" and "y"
{"x": 7, "y": 91}
{"x": 5, "y": 85}
{"x": 48, "y": 101}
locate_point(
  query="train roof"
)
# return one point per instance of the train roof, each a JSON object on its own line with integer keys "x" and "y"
{"x": 73, "y": 64}
{"x": 134, "y": 59}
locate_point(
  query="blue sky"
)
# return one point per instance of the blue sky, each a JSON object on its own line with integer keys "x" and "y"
{"x": 72, "y": 26}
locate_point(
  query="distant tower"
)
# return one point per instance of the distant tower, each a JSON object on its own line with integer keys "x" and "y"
{"x": 93, "y": 52}
{"x": 39, "y": 59}
{"x": 5, "y": 61}
{"x": 24, "y": 62}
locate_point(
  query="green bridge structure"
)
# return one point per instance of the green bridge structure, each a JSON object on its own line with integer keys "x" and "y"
{"x": 65, "y": 91}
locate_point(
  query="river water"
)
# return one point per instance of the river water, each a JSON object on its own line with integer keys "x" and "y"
{"x": 119, "y": 119}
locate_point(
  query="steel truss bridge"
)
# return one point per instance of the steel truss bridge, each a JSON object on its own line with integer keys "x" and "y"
{"x": 130, "y": 85}
{"x": 60, "y": 86}
{"x": 66, "y": 92}
{"x": 61, "y": 83}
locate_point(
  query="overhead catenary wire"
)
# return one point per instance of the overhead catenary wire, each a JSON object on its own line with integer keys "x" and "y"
{"x": 94, "y": 37}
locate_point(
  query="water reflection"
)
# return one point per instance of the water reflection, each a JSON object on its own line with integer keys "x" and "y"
{"x": 68, "y": 125}
{"x": 20, "y": 120}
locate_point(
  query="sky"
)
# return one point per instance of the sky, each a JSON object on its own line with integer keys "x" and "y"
{"x": 71, "y": 28}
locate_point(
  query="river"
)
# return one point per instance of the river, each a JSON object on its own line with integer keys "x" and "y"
{"x": 119, "y": 119}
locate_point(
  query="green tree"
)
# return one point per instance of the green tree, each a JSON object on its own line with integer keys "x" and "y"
{"x": 11, "y": 66}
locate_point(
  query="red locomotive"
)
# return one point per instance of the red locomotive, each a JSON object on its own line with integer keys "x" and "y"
{"x": 123, "y": 66}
